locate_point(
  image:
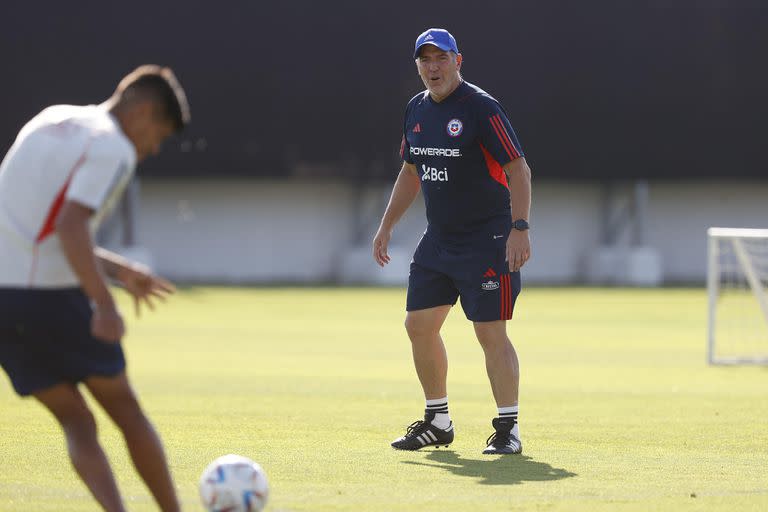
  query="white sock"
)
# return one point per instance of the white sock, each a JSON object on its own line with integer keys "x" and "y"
{"x": 439, "y": 406}
{"x": 511, "y": 412}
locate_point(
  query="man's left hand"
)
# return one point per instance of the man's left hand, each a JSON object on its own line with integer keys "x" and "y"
{"x": 518, "y": 249}
{"x": 144, "y": 286}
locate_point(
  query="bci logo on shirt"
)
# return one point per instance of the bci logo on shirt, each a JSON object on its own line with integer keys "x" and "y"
{"x": 432, "y": 174}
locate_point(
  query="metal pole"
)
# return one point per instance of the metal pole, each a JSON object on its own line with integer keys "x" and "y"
{"x": 713, "y": 280}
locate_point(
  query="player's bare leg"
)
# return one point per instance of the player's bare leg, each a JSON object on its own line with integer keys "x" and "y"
{"x": 431, "y": 364}
{"x": 500, "y": 361}
{"x": 119, "y": 401}
{"x": 68, "y": 406}
{"x": 429, "y": 356}
{"x": 504, "y": 373}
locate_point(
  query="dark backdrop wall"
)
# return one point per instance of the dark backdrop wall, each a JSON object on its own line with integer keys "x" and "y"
{"x": 595, "y": 90}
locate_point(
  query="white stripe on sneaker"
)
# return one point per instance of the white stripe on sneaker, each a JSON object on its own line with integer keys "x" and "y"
{"x": 430, "y": 434}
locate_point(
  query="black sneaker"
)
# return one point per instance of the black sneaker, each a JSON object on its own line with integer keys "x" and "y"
{"x": 424, "y": 433}
{"x": 503, "y": 440}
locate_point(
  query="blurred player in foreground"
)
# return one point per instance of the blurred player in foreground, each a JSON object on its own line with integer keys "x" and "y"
{"x": 460, "y": 150}
{"x": 59, "y": 325}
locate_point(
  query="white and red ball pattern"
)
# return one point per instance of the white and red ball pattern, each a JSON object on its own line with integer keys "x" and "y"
{"x": 233, "y": 483}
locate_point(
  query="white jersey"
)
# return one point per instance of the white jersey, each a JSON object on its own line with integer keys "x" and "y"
{"x": 65, "y": 153}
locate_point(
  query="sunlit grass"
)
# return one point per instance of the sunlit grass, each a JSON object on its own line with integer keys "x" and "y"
{"x": 618, "y": 411}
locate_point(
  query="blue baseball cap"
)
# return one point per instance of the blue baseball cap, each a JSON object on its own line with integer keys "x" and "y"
{"x": 437, "y": 37}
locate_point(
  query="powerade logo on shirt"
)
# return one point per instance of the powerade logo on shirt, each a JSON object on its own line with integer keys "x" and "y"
{"x": 435, "y": 152}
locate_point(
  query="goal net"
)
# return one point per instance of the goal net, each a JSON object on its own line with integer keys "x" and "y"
{"x": 737, "y": 281}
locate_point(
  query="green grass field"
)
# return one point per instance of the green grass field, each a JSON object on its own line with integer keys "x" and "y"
{"x": 618, "y": 410}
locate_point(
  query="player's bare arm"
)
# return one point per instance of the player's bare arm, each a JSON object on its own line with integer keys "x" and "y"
{"x": 137, "y": 279}
{"x": 74, "y": 234}
{"x": 404, "y": 193}
{"x": 518, "y": 243}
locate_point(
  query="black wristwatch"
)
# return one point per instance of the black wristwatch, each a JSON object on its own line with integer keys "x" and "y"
{"x": 520, "y": 225}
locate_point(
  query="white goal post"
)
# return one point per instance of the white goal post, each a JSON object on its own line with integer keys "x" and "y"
{"x": 737, "y": 282}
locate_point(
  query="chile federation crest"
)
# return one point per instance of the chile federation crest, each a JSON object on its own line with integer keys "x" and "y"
{"x": 455, "y": 127}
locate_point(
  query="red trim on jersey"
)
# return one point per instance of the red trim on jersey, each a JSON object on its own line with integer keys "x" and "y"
{"x": 402, "y": 147}
{"x": 504, "y": 136}
{"x": 494, "y": 168}
{"x": 501, "y": 133}
{"x": 49, "y": 226}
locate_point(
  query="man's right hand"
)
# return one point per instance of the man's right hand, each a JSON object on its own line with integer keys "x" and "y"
{"x": 380, "y": 243}
{"x": 106, "y": 323}
{"x": 404, "y": 192}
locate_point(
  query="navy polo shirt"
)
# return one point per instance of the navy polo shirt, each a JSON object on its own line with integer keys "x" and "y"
{"x": 459, "y": 147}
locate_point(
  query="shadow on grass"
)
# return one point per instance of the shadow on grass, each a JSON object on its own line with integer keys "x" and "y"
{"x": 504, "y": 470}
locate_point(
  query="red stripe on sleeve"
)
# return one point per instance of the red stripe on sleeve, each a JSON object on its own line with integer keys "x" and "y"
{"x": 506, "y": 141}
{"x": 505, "y": 133}
{"x": 501, "y": 139}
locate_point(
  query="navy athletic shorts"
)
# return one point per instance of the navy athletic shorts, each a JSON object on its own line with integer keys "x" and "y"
{"x": 45, "y": 339}
{"x": 476, "y": 271}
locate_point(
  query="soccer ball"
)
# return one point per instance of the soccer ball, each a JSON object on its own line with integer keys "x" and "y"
{"x": 234, "y": 484}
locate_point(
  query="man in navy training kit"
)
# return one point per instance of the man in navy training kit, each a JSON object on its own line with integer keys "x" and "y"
{"x": 459, "y": 148}
{"x": 59, "y": 325}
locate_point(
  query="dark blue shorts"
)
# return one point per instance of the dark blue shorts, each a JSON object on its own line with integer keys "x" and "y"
{"x": 476, "y": 271}
{"x": 45, "y": 339}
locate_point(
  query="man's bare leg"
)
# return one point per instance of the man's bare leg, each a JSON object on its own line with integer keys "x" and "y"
{"x": 68, "y": 406}
{"x": 429, "y": 356}
{"x": 500, "y": 361}
{"x": 119, "y": 401}
{"x": 504, "y": 373}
